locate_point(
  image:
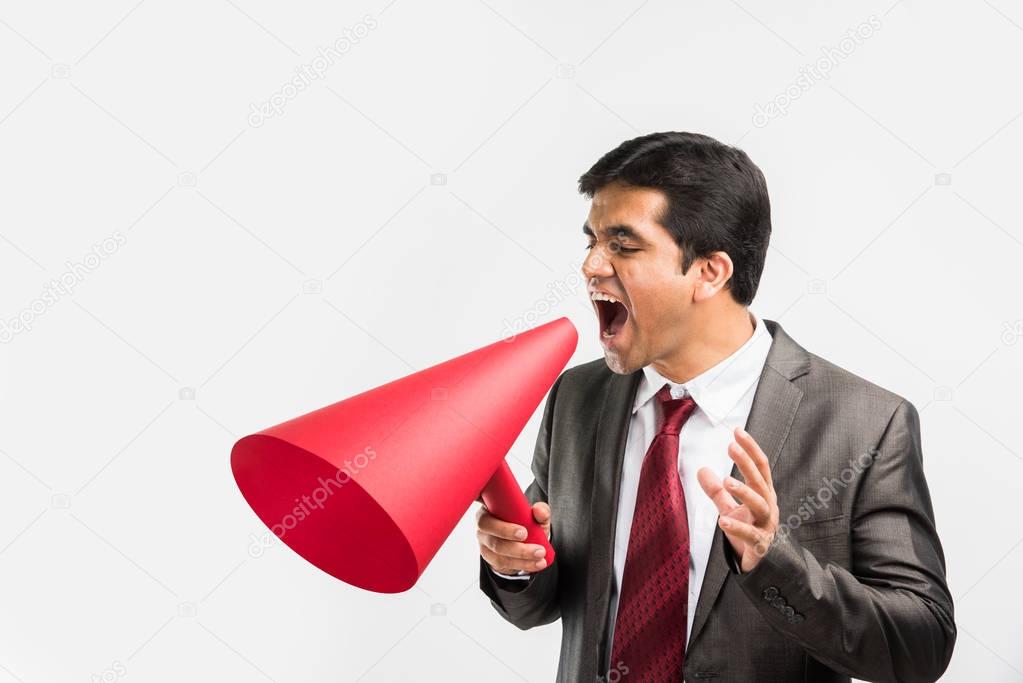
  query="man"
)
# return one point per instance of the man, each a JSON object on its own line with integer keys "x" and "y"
{"x": 801, "y": 548}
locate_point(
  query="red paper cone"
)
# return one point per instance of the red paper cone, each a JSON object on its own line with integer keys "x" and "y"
{"x": 367, "y": 489}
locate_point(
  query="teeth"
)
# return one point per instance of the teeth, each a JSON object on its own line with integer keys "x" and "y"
{"x": 600, "y": 296}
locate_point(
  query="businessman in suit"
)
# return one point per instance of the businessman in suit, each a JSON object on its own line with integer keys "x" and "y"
{"x": 725, "y": 505}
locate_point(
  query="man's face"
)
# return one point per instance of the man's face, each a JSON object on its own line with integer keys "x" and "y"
{"x": 634, "y": 260}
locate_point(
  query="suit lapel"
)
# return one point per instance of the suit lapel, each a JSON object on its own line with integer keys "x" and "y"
{"x": 611, "y": 435}
{"x": 770, "y": 419}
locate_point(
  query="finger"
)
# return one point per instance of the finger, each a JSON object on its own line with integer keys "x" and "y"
{"x": 506, "y": 566}
{"x": 510, "y": 565}
{"x": 512, "y": 550}
{"x": 741, "y": 513}
{"x": 760, "y": 508}
{"x": 754, "y": 450}
{"x": 489, "y": 524}
{"x": 749, "y": 471}
{"x": 542, "y": 513}
{"x": 749, "y": 534}
{"x": 711, "y": 485}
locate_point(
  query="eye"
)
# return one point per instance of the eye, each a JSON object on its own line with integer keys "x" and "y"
{"x": 615, "y": 247}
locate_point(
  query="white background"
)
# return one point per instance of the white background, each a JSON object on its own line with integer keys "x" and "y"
{"x": 409, "y": 206}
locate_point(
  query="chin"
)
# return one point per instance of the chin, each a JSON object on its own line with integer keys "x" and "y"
{"x": 617, "y": 364}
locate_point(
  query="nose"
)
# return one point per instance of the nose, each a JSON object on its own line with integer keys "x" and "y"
{"x": 597, "y": 263}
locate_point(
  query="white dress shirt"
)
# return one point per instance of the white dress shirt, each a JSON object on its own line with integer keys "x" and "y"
{"x": 724, "y": 396}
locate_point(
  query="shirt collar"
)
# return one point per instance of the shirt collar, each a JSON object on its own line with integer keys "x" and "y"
{"x": 718, "y": 389}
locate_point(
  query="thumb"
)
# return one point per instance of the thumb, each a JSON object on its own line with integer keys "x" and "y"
{"x": 542, "y": 514}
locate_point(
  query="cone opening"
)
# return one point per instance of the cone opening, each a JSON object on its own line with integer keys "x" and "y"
{"x": 322, "y": 513}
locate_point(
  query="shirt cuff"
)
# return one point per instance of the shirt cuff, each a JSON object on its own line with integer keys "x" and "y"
{"x": 522, "y": 574}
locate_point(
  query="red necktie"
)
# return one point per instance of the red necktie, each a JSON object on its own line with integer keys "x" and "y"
{"x": 650, "y": 629}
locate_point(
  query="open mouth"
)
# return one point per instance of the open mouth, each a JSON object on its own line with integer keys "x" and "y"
{"x": 612, "y": 314}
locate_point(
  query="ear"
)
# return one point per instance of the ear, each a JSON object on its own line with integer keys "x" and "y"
{"x": 713, "y": 274}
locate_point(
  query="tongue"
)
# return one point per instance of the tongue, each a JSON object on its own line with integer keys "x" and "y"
{"x": 618, "y": 321}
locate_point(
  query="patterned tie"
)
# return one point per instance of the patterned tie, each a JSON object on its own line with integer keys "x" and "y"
{"x": 650, "y": 629}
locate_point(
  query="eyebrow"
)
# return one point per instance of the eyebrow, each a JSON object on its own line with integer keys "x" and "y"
{"x": 621, "y": 231}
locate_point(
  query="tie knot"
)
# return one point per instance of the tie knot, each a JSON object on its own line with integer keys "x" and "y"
{"x": 676, "y": 410}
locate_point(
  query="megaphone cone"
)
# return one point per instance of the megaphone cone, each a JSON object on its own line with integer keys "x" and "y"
{"x": 367, "y": 489}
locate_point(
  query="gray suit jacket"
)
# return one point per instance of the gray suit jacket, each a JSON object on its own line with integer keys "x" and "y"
{"x": 854, "y": 584}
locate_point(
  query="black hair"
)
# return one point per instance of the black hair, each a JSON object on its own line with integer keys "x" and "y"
{"x": 716, "y": 198}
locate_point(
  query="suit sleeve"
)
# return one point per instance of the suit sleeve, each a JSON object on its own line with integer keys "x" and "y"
{"x": 531, "y": 602}
{"x": 891, "y": 617}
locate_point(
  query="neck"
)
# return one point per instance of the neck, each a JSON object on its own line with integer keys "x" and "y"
{"x": 721, "y": 334}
